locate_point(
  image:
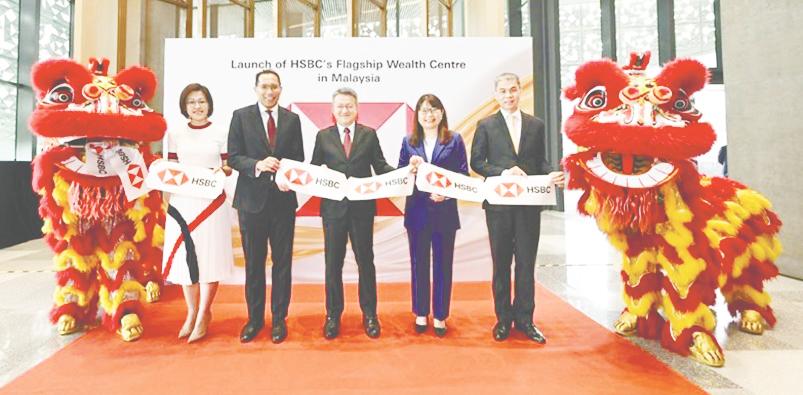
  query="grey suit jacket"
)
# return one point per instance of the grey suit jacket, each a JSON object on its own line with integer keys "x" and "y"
{"x": 248, "y": 144}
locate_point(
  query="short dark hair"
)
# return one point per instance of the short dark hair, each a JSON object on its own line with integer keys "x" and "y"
{"x": 267, "y": 71}
{"x": 194, "y": 87}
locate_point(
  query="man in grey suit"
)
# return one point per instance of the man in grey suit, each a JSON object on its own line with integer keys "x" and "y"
{"x": 511, "y": 142}
{"x": 351, "y": 149}
{"x": 261, "y": 135}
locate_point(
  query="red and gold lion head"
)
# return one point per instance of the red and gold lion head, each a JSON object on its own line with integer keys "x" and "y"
{"x": 635, "y": 127}
{"x": 77, "y": 102}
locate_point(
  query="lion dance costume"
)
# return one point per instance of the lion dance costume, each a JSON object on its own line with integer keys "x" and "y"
{"x": 682, "y": 235}
{"x": 103, "y": 225}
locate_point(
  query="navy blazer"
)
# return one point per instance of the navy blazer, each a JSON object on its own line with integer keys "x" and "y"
{"x": 419, "y": 209}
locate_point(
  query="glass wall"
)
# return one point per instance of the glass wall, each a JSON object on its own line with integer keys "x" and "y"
{"x": 50, "y": 23}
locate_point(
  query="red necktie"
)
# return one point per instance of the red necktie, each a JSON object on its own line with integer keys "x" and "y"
{"x": 271, "y": 131}
{"x": 347, "y": 142}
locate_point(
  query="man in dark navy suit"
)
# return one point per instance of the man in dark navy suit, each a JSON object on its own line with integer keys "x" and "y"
{"x": 511, "y": 142}
{"x": 260, "y": 136}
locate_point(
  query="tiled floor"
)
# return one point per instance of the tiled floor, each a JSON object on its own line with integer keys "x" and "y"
{"x": 575, "y": 262}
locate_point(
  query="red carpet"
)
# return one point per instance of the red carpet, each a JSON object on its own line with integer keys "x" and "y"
{"x": 580, "y": 357}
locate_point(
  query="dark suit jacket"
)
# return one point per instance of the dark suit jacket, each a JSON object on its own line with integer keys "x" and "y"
{"x": 419, "y": 209}
{"x": 248, "y": 144}
{"x": 492, "y": 149}
{"x": 365, "y": 153}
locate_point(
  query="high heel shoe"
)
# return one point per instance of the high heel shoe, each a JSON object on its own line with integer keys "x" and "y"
{"x": 419, "y": 327}
{"x": 200, "y": 328}
{"x": 440, "y": 328}
{"x": 186, "y": 328}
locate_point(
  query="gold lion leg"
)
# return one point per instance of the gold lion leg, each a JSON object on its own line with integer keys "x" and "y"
{"x": 626, "y": 324}
{"x": 705, "y": 350}
{"x": 152, "y": 292}
{"x": 130, "y": 328}
{"x": 751, "y": 322}
{"x": 67, "y": 325}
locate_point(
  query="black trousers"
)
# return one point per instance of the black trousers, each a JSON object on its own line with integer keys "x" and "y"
{"x": 360, "y": 230}
{"x": 277, "y": 226}
{"x": 514, "y": 232}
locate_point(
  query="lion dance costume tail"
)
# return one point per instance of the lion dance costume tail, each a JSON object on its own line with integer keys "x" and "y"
{"x": 104, "y": 226}
{"x": 682, "y": 235}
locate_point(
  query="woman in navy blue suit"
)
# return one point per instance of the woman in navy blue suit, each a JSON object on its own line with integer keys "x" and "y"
{"x": 432, "y": 220}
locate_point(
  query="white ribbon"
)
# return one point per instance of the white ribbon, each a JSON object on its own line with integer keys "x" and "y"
{"x": 395, "y": 183}
{"x": 186, "y": 180}
{"x": 505, "y": 190}
{"x": 434, "y": 179}
{"x": 312, "y": 180}
{"x": 520, "y": 190}
{"x": 106, "y": 159}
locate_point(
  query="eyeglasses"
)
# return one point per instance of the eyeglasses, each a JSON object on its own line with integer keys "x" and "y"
{"x": 430, "y": 110}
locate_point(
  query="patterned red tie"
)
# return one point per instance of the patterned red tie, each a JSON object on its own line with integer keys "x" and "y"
{"x": 347, "y": 142}
{"x": 271, "y": 131}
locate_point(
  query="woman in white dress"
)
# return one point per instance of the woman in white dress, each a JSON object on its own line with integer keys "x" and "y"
{"x": 204, "y": 256}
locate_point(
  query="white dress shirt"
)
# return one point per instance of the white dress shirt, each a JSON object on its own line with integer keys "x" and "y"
{"x": 513, "y": 122}
{"x": 342, "y": 131}
{"x": 429, "y": 147}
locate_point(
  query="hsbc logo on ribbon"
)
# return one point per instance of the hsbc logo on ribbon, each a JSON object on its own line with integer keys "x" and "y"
{"x": 298, "y": 176}
{"x": 173, "y": 177}
{"x": 135, "y": 175}
{"x": 509, "y": 189}
{"x": 368, "y": 187}
{"x": 439, "y": 180}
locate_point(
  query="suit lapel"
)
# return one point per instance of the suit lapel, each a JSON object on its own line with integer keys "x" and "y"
{"x": 359, "y": 136}
{"x": 437, "y": 151}
{"x": 335, "y": 133}
{"x": 525, "y": 127}
{"x": 420, "y": 151}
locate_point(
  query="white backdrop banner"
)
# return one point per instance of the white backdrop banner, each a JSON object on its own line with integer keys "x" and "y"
{"x": 389, "y": 76}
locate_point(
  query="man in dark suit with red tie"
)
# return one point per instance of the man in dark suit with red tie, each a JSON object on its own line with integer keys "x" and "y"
{"x": 351, "y": 149}
{"x": 260, "y": 136}
{"x": 511, "y": 142}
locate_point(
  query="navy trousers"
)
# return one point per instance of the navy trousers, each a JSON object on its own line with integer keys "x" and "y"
{"x": 441, "y": 246}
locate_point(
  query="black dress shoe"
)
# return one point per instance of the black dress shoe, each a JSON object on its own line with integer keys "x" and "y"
{"x": 331, "y": 328}
{"x": 440, "y": 332}
{"x": 531, "y": 332}
{"x": 249, "y": 332}
{"x": 371, "y": 325}
{"x": 279, "y": 332}
{"x": 420, "y": 328}
{"x": 501, "y": 331}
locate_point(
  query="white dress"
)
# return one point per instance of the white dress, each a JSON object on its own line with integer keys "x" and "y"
{"x": 200, "y": 147}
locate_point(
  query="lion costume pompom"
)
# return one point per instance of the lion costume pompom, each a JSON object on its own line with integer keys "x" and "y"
{"x": 104, "y": 226}
{"x": 682, "y": 235}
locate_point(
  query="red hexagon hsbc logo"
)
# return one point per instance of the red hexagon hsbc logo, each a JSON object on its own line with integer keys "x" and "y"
{"x": 368, "y": 187}
{"x": 135, "y": 175}
{"x": 509, "y": 189}
{"x": 298, "y": 176}
{"x": 173, "y": 177}
{"x": 438, "y": 180}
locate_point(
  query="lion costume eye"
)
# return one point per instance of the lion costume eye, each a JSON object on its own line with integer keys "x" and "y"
{"x": 595, "y": 99}
{"x": 681, "y": 103}
{"x": 60, "y": 94}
